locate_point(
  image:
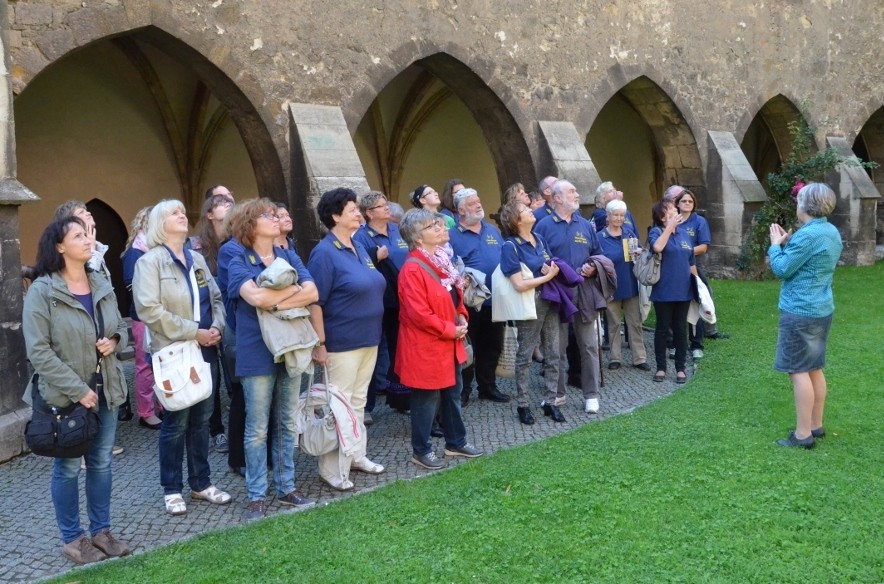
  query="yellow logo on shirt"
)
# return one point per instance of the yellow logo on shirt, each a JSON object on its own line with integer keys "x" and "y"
{"x": 580, "y": 238}
{"x": 686, "y": 245}
{"x": 201, "y": 281}
{"x": 401, "y": 244}
{"x": 491, "y": 240}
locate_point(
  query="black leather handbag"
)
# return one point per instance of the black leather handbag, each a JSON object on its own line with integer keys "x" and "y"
{"x": 62, "y": 432}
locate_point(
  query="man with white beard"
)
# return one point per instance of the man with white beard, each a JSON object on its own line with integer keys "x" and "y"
{"x": 478, "y": 243}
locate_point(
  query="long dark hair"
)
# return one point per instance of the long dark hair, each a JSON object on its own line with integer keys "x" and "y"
{"x": 49, "y": 260}
{"x": 205, "y": 230}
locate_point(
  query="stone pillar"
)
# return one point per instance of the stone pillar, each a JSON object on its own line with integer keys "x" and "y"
{"x": 733, "y": 195}
{"x": 323, "y": 157}
{"x": 855, "y": 216}
{"x": 13, "y": 361}
{"x": 565, "y": 156}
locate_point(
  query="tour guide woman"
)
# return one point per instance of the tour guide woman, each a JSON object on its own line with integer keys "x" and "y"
{"x": 805, "y": 261}
{"x": 433, "y": 323}
{"x": 65, "y": 309}
{"x": 164, "y": 300}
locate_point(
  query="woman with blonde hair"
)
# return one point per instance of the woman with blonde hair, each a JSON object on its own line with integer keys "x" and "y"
{"x": 170, "y": 284}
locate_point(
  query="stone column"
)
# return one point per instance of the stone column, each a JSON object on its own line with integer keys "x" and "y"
{"x": 855, "y": 216}
{"x": 566, "y": 156}
{"x": 13, "y": 362}
{"x": 323, "y": 157}
{"x": 733, "y": 194}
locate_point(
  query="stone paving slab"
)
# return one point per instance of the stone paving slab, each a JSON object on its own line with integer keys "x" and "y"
{"x": 30, "y": 547}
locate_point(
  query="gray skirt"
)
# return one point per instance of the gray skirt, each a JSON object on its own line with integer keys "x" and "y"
{"x": 801, "y": 343}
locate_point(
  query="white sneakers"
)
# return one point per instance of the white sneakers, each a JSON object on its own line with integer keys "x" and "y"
{"x": 697, "y": 353}
{"x": 592, "y": 406}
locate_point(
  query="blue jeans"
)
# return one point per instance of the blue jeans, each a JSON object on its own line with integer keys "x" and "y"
{"x": 65, "y": 488}
{"x": 260, "y": 391}
{"x": 189, "y": 426}
{"x": 423, "y": 409}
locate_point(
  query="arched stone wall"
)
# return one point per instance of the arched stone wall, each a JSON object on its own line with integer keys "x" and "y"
{"x": 503, "y": 123}
{"x": 217, "y": 68}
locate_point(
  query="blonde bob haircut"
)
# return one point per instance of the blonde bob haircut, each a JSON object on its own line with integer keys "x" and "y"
{"x": 156, "y": 230}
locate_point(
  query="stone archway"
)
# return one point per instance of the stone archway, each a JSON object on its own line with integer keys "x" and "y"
{"x": 112, "y": 231}
{"x": 138, "y": 117}
{"x": 415, "y": 101}
{"x": 767, "y": 141}
{"x": 642, "y": 142}
{"x": 869, "y": 145}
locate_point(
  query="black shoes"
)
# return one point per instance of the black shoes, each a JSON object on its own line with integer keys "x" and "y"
{"x": 643, "y": 367}
{"x": 718, "y": 336}
{"x": 295, "y": 499}
{"x": 464, "y": 398}
{"x": 125, "y": 412}
{"x": 793, "y": 442}
{"x": 818, "y": 432}
{"x": 144, "y": 423}
{"x": 494, "y": 395}
{"x": 614, "y": 365}
{"x": 525, "y": 416}
{"x": 553, "y": 412}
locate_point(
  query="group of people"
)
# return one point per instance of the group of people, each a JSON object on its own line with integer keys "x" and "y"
{"x": 401, "y": 302}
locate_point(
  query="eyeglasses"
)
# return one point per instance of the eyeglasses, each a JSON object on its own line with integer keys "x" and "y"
{"x": 384, "y": 206}
{"x": 434, "y": 225}
{"x": 269, "y": 216}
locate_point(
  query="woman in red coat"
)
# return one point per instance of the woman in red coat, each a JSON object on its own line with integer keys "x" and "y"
{"x": 432, "y": 326}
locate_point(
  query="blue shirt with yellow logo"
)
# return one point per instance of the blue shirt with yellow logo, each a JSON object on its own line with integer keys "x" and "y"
{"x": 371, "y": 240}
{"x": 480, "y": 251}
{"x": 675, "y": 269}
{"x": 573, "y": 241}
{"x": 517, "y": 250}
{"x": 614, "y": 250}
{"x": 351, "y": 294}
{"x": 697, "y": 229}
{"x": 245, "y": 264}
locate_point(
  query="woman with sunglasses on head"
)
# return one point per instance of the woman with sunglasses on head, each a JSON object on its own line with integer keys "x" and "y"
{"x": 255, "y": 226}
{"x": 697, "y": 229}
{"x": 71, "y": 324}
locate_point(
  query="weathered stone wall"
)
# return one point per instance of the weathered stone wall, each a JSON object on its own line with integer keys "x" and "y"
{"x": 719, "y": 62}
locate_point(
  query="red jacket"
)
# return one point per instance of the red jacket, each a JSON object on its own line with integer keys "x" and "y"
{"x": 427, "y": 349}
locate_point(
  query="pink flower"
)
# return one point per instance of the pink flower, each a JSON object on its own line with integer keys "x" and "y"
{"x": 799, "y": 184}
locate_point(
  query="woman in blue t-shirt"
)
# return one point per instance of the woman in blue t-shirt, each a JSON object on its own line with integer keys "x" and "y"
{"x": 347, "y": 317}
{"x": 672, "y": 294}
{"x": 525, "y": 247}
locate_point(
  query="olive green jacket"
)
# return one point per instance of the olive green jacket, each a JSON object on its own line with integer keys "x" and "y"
{"x": 60, "y": 340}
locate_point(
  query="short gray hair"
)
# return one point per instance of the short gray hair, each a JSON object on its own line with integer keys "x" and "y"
{"x": 396, "y": 210}
{"x": 546, "y": 183}
{"x": 369, "y": 200}
{"x": 601, "y": 191}
{"x": 156, "y": 230}
{"x": 559, "y": 186}
{"x": 817, "y": 199}
{"x": 673, "y": 191}
{"x": 462, "y": 195}
{"x": 615, "y": 205}
{"x": 413, "y": 222}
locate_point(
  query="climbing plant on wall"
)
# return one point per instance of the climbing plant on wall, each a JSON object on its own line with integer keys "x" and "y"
{"x": 802, "y": 166}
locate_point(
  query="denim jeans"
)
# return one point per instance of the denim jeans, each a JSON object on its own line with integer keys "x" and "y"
{"x": 65, "y": 488}
{"x": 545, "y": 330}
{"x": 424, "y": 404}
{"x": 260, "y": 391}
{"x": 189, "y": 427}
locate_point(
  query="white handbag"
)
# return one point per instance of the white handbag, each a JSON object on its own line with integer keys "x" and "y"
{"x": 507, "y": 303}
{"x": 182, "y": 378}
{"x": 181, "y": 375}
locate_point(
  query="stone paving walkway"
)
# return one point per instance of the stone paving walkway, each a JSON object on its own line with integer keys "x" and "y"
{"x": 30, "y": 547}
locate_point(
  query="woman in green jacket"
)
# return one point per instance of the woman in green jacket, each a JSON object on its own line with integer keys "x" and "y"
{"x": 70, "y": 321}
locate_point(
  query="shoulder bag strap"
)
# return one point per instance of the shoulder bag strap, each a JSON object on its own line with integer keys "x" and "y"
{"x": 425, "y": 266}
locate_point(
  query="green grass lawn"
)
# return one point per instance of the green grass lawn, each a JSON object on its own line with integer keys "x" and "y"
{"x": 691, "y": 488}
